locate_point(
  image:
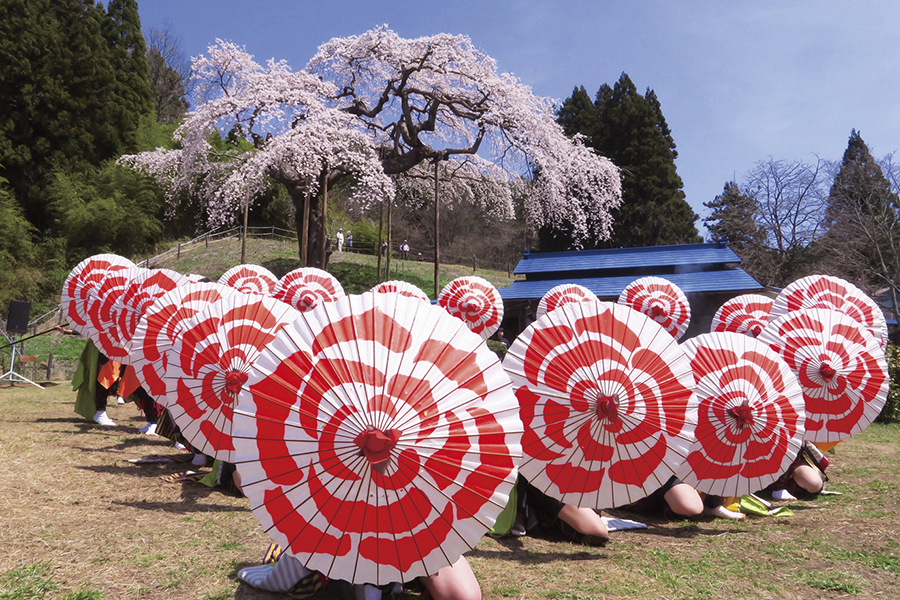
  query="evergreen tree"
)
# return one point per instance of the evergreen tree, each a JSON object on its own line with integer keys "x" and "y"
{"x": 630, "y": 129}
{"x": 128, "y": 56}
{"x": 733, "y": 218}
{"x": 577, "y": 115}
{"x": 860, "y": 184}
{"x": 16, "y": 250}
{"x": 733, "y": 221}
{"x": 168, "y": 89}
{"x": 63, "y": 104}
{"x": 862, "y": 243}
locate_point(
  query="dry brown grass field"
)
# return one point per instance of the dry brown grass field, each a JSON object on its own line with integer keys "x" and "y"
{"x": 78, "y": 521}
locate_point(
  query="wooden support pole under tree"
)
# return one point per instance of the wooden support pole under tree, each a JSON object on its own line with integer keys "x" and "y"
{"x": 437, "y": 242}
{"x": 390, "y": 247}
{"x": 324, "y": 254}
{"x": 304, "y": 230}
{"x": 243, "y": 237}
{"x": 378, "y": 242}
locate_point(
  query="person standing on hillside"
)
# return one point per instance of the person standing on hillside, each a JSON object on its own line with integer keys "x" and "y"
{"x": 340, "y": 240}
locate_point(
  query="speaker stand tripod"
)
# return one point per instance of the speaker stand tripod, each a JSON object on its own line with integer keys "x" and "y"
{"x": 11, "y": 376}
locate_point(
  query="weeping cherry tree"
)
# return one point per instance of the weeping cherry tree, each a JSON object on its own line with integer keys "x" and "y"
{"x": 369, "y": 107}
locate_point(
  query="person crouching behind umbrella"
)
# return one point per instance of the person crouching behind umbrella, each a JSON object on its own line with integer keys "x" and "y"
{"x": 282, "y": 573}
{"x": 678, "y": 500}
{"x": 805, "y": 478}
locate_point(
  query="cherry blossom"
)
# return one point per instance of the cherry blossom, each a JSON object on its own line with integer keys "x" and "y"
{"x": 369, "y": 107}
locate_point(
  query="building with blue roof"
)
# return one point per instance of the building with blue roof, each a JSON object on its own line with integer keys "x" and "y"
{"x": 708, "y": 274}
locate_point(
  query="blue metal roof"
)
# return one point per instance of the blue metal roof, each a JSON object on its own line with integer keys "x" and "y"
{"x": 727, "y": 280}
{"x": 627, "y": 258}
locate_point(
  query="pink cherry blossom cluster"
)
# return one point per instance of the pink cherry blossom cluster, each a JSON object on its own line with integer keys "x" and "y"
{"x": 375, "y": 106}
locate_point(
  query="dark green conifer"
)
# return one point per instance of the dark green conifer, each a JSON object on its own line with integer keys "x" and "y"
{"x": 630, "y": 129}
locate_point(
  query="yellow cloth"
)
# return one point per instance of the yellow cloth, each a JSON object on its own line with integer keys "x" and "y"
{"x": 825, "y": 446}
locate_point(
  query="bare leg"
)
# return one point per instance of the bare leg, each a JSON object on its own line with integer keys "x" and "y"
{"x": 809, "y": 479}
{"x": 684, "y": 500}
{"x": 584, "y": 521}
{"x": 455, "y": 582}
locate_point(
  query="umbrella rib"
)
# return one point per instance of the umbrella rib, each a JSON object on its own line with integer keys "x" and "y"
{"x": 309, "y": 498}
{"x": 470, "y": 471}
{"x": 408, "y": 412}
{"x": 465, "y": 401}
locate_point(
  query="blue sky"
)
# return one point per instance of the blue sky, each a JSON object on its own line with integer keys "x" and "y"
{"x": 738, "y": 82}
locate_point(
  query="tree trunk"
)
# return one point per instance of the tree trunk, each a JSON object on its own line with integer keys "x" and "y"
{"x": 378, "y": 242}
{"x": 244, "y": 234}
{"x": 390, "y": 247}
{"x": 323, "y": 255}
{"x": 437, "y": 231}
{"x": 303, "y": 232}
{"x": 316, "y": 243}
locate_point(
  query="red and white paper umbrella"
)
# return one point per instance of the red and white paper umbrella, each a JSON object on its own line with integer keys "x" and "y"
{"x": 250, "y": 279}
{"x": 661, "y": 300}
{"x": 102, "y": 311}
{"x": 825, "y": 291}
{"x": 377, "y": 438}
{"x": 841, "y": 368}
{"x": 138, "y": 297}
{"x": 750, "y": 415}
{"x": 306, "y": 288}
{"x": 404, "y": 288}
{"x": 747, "y": 314}
{"x": 605, "y": 397}
{"x": 87, "y": 275}
{"x": 210, "y": 362}
{"x": 563, "y": 294}
{"x": 476, "y": 301}
{"x": 161, "y": 325}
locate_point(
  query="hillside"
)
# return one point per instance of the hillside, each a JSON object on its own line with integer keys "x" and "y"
{"x": 356, "y": 272}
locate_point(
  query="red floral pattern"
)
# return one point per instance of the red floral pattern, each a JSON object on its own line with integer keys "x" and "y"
{"x": 250, "y": 279}
{"x": 840, "y": 366}
{"x": 102, "y": 311}
{"x": 401, "y": 287}
{"x": 476, "y": 301}
{"x": 158, "y": 329}
{"x": 563, "y": 294}
{"x": 660, "y": 300}
{"x": 138, "y": 297}
{"x": 747, "y": 314}
{"x": 213, "y": 350}
{"x": 306, "y": 288}
{"x": 750, "y": 417}
{"x": 86, "y": 276}
{"x": 604, "y": 397}
{"x": 378, "y": 438}
{"x": 825, "y": 291}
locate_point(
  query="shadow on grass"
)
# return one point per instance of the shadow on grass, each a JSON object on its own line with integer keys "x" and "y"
{"x": 76, "y": 420}
{"x": 282, "y": 266}
{"x": 181, "y": 507}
